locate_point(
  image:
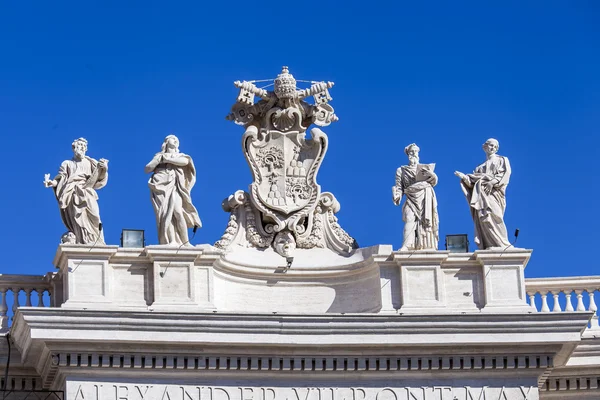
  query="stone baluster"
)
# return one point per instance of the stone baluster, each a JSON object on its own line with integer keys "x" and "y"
{"x": 28, "y": 297}
{"x": 16, "y": 304}
{"x": 556, "y": 307}
{"x": 532, "y": 301}
{"x": 40, "y": 293}
{"x": 3, "y": 310}
{"x": 580, "y": 306}
{"x": 594, "y": 308}
{"x": 569, "y": 303}
{"x": 545, "y": 307}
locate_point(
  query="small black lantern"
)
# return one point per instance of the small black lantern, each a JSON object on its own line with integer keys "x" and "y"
{"x": 457, "y": 243}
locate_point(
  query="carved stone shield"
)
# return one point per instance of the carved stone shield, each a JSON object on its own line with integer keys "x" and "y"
{"x": 285, "y": 165}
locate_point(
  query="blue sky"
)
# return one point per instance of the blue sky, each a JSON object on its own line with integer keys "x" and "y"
{"x": 446, "y": 75}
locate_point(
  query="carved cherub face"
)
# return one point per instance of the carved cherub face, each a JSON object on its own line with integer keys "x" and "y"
{"x": 491, "y": 146}
{"x": 284, "y": 244}
{"x": 68, "y": 238}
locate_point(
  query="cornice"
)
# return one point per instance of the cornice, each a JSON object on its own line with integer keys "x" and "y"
{"x": 34, "y": 326}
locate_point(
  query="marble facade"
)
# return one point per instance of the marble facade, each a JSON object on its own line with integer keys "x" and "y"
{"x": 202, "y": 323}
{"x": 285, "y": 305}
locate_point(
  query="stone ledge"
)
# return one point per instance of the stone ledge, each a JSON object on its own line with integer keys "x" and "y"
{"x": 361, "y": 323}
{"x": 41, "y": 331}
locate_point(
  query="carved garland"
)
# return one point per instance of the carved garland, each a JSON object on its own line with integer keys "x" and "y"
{"x": 230, "y": 232}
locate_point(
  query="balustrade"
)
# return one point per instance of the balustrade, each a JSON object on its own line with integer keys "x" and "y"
{"x": 19, "y": 290}
{"x": 545, "y": 294}
{"x": 564, "y": 295}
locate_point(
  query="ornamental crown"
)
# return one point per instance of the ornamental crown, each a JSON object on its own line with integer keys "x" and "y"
{"x": 285, "y": 84}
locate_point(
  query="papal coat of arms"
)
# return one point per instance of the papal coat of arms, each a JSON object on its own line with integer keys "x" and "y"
{"x": 284, "y": 206}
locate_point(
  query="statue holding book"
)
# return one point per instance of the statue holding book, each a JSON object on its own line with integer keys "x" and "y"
{"x": 75, "y": 189}
{"x": 415, "y": 183}
{"x": 485, "y": 190}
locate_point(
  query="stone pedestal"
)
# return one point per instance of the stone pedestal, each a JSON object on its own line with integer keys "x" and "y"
{"x": 180, "y": 284}
{"x": 151, "y": 278}
{"x": 504, "y": 278}
{"x": 86, "y": 276}
{"x": 422, "y": 280}
{"x": 439, "y": 281}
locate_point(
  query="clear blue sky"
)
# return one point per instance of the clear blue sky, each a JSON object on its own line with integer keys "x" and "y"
{"x": 446, "y": 75}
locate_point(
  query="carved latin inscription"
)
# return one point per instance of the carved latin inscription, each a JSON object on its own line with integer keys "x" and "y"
{"x": 91, "y": 391}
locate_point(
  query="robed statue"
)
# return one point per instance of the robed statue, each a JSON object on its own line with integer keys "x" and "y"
{"x": 173, "y": 177}
{"x": 415, "y": 183}
{"x": 75, "y": 189}
{"x": 485, "y": 190}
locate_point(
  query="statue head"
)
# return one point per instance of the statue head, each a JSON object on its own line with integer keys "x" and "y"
{"x": 491, "y": 146}
{"x": 79, "y": 147}
{"x": 170, "y": 142}
{"x": 68, "y": 238}
{"x": 284, "y": 244}
{"x": 285, "y": 84}
{"x": 412, "y": 151}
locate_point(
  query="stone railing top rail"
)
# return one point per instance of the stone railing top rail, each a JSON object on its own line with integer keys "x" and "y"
{"x": 570, "y": 283}
{"x": 10, "y": 281}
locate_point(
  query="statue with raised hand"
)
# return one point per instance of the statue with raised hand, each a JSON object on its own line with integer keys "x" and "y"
{"x": 75, "y": 189}
{"x": 485, "y": 190}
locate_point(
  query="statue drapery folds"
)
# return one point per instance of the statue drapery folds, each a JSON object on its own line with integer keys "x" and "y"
{"x": 75, "y": 188}
{"x": 415, "y": 183}
{"x": 173, "y": 177}
{"x": 485, "y": 190}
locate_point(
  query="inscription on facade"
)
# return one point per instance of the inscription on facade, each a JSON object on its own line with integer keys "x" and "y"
{"x": 105, "y": 391}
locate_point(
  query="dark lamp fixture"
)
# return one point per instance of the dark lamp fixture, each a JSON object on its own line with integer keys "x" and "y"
{"x": 457, "y": 243}
{"x": 132, "y": 238}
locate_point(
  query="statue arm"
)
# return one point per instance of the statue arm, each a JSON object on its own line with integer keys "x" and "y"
{"x": 180, "y": 160}
{"x": 102, "y": 167}
{"x": 503, "y": 178}
{"x": 433, "y": 178}
{"x": 398, "y": 189}
{"x": 314, "y": 89}
{"x": 62, "y": 174}
{"x": 499, "y": 179}
{"x": 154, "y": 163}
{"x": 465, "y": 179}
{"x": 62, "y": 171}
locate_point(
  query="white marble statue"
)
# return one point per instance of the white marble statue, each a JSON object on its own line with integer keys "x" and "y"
{"x": 485, "y": 190}
{"x": 415, "y": 182}
{"x": 75, "y": 189}
{"x": 172, "y": 180}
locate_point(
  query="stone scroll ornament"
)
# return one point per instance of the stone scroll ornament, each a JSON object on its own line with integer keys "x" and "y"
{"x": 284, "y": 207}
